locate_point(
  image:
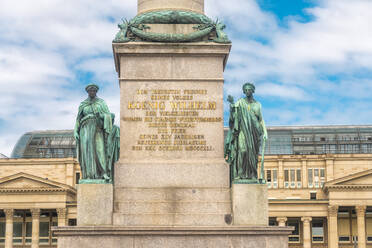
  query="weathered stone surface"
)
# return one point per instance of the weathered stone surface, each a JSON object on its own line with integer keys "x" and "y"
{"x": 163, "y": 237}
{"x": 95, "y": 204}
{"x": 151, "y": 5}
{"x": 250, "y": 204}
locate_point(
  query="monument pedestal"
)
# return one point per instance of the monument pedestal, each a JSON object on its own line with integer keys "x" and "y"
{"x": 170, "y": 237}
{"x": 94, "y": 204}
{"x": 250, "y": 204}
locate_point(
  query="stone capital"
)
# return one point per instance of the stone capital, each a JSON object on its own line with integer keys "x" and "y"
{"x": 333, "y": 210}
{"x": 360, "y": 210}
{"x": 281, "y": 219}
{"x": 9, "y": 212}
{"x": 35, "y": 212}
{"x": 306, "y": 219}
{"x": 62, "y": 212}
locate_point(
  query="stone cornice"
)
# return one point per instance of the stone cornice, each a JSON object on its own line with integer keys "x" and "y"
{"x": 169, "y": 230}
{"x": 32, "y": 190}
{"x": 347, "y": 187}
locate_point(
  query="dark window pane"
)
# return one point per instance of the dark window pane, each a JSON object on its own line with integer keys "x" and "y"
{"x": 2, "y": 229}
{"x": 17, "y": 229}
{"x": 28, "y": 229}
{"x": 44, "y": 229}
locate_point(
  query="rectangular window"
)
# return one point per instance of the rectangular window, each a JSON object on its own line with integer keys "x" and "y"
{"x": 317, "y": 230}
{"x": 28, "y": 232}
{"x": 44, "y": 232}
{"x": 369, "y": 225}
{"x": 77, "y": 177}
{"x": 286, "y": 178}
{"x": 275, "y": 178}
{"x": 268, "y": 176}
{"x": 17, "y": 232}
{"x": 343, "y": 226}
{"x": 2, "y": 232}
{"x": 295, "y": 236}
{"x": 310, "y": 177}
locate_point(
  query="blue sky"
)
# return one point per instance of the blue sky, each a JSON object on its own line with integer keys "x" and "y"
{"x": 311, "y": 60}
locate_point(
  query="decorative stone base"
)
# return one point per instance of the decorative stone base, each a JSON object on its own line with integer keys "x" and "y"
{"x": 250, "y": 204}
{"x": 95, "y": 204}
{"x": 164, "y": 237}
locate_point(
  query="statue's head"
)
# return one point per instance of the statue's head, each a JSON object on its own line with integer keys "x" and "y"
{"x": 92, "y": 90}
{"x": 248, "y": 87}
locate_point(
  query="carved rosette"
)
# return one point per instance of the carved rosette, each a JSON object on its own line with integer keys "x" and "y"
{"x": 360, "y": 210}
{"x": 9, "y": 212}
{"x": 332, "y": 210}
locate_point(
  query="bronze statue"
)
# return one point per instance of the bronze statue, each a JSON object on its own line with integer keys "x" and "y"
{"x": 92, "y": 129}
{"x": 246, "y": 128}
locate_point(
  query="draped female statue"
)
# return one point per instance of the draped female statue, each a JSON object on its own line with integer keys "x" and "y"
{"x": 92, "y": 129}
{"x": 246, "y": 128}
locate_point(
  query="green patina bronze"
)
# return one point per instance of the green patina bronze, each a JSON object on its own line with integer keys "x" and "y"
{"x": 135, "y": 29}
{"x": 242, "y": 144}
{"x": 97, "y": 140}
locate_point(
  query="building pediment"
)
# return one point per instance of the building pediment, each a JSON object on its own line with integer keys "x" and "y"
{"x": 26, "y": 182}
{"x": 360, "y": 180}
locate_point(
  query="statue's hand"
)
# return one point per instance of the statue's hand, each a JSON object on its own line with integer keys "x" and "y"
{"x": 265, "y": 136}
{"x": 230, "y": 99}
{"x": 76, "y": 136}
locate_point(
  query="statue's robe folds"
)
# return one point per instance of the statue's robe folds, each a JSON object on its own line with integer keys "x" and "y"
{"x": 93, "y": 124}
{"x": 243, "y": 140}
{"x": 113, "y": 145}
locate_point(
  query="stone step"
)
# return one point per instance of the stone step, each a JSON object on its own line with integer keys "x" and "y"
{"x": 169, "y": 219}
{"x": 172, "y": 194}
{"x": 135, "y": 207}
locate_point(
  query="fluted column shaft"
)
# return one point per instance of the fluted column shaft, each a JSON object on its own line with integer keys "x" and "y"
{"x": 361, "y": 212}
{"x": 9, "y": 228}
{"x": 35, "y": 212}
{"x": 332, "y": 226}
{"x": 307, "y": 232}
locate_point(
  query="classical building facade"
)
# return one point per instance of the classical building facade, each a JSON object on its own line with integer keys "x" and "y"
{"x": 319, "y": 179}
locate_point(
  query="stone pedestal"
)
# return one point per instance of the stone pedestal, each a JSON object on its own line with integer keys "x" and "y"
{"x": 250, "y": 204}
{"x": 170, "y": 237}
{"x": 94, "y": 204}
{"x": 171, "y": 169}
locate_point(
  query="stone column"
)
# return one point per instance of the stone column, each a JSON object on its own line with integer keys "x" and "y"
{"x": 62, "y": 214}
{"x": 304, "y": 173}
{"x": 9, "y": 228}
{"x": 280, "y": 174}
{"x": 332, "y": 226}
{"x": 361, "y": 212}
{"x": 281, "y": 221}
{"x": 307, "y": 232}
{"x": 35, "y": 212}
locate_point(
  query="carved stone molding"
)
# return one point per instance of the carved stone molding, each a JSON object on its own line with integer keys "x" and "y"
{"x": 306, "y": 219}
{"x": 35, "y": 212}
{"x": 332, "y": 210}
{"x": 9, "y": 212}
{"x": 360, "y": 210}
{"x": 281, "y": 219}
{"x": 62, "y": 213}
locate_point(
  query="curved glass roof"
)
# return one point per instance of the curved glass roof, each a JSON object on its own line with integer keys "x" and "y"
{"x": 282, "y": 140}
{"x": 45, "y": 144}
